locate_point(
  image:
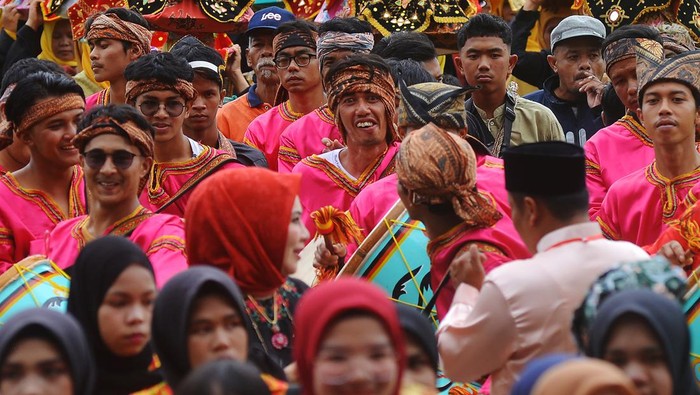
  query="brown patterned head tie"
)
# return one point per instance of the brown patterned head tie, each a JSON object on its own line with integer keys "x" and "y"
{"x": 137, "y": 88}
{"x": 619, "y": 50}
{"x": 359, "y": 78}
{"x": 5, "y": 125}
{"x": 335, "y": 41}
{"x": 676, "y": 38}
{"x": 48, "y": 108}
{"x": 682, "y": 68}
{"x": 112, "y": 27}
{"x": 440, "y": 167}
{"x": 297, "y": 38}
{"x": 649, "y": 55}
{"x": 107, "y": 125}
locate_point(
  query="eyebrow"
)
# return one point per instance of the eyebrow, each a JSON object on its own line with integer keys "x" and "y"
{"x": 298, "y": 52}
{"x": 489, "y": 50}
{"x": 173, "y": 97}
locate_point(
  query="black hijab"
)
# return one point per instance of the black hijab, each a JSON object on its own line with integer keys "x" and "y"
{"x": 421, "y": 330}
{"x": 63, "y": 332}
{"x": 664, "y": 316}
{"x": 172, "y": 312}
{"x": 98, "y": 266}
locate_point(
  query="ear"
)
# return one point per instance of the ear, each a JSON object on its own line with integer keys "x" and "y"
{"x": 458, "y": 65}
{"x": 188, "y": 108}
{"x": 82, "y": 161}
{"x": 640, "y": 114}
{"x": 511, "y": 63}
{"x": 531, "y": 211}
{"x": 552, "y": 62}
{"x": 146, "y": 165}
{"x": 247, "y": 58}
{"x": 26, "y": 138}
{"x": 133, "y": 54}
{"x": 221, "y": 97}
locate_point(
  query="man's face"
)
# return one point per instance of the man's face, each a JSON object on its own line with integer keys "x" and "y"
{"x": 576, "y": 59}
{"x": 486, "y": 61}
{"x": 108, "y": 59}
{"x": 295, "y": 78}
{"x": 432, "y": 66}
{"x": 623, "y": 76}
{"x": 669, "y": 113}
{"x": 171, "y": 111}
{"x": 332, "y": 58}
{"x": 204, "y": 107}
{"x": 363, "y": 116}
{"x": 259, "y": 56}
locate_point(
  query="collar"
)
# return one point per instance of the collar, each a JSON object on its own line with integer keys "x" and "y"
{"x": 577, "y": 231}
{"x": 253, "y": 98}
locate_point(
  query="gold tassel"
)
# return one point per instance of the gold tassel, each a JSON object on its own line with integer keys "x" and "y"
{"x": 334, "y": 226}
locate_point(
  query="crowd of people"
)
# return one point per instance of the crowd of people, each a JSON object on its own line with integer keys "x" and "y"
{"x": 562, "y": 225}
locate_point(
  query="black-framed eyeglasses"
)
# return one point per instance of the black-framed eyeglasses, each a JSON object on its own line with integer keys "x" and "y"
{"x": 174, "y": 108}
{"x": 121, "y": 159}
{"x": 302, "y": 59}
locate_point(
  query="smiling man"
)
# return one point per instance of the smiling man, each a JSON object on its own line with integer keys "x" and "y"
{"x": 160, "y": 87}
{"x": 294, "y": 46}
{"x": 641, "y": 205}
{"x": 362, "y": 96}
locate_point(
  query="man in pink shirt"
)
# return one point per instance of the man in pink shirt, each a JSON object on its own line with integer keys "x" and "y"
{"x": 301, "y": 92}
{"x": 523, "y": 310}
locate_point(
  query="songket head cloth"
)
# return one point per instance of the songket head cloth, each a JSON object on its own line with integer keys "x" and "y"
{"x": 112, "y": 27}
{"x": 323, "y": 306}
{"x": 563, "y": 164}
{"x": 664, "y": 317}
{"x": 433, "y": 102}
{"x": 336, "y": 41}
{"x": 681, "y": 68}
{"x": 352, "y": 75}
{"x": 584, "y": 376}
{"x": 440, "y": 167}
{"x": 676, "y": 38}
{"x": 619, "y": 50}
{"x": 60, "y": 330}
{"x": 96, "y": 269}
{"x": 247, "y": 239}
{"x": 142, "y": 139}
{"x": 136, "y": 88}
{"x": 47, "y": 108}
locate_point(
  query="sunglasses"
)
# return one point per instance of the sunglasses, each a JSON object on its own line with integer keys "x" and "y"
{"x": 121, "y": 159}
{"x": 174, "y": 108}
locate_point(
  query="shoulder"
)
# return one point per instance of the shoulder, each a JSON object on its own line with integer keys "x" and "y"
{"x": 536, "y": 96}
{"x": 68, "y": 224}
{"x": 529, "y": 108}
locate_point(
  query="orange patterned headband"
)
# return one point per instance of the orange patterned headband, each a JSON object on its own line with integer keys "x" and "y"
{"x": 48, "y": 108}
{"x": 137, "y": 88}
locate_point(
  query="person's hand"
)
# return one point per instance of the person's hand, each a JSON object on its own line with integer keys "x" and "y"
{"x": 36, "y": 17}
{"x": 291, "y": 372}
{"x": 325, "y": 258}
{"x": 673, "y": 251}
{"x": 468, "y": 268}
{"x": 330, "y": 145}
{"x": 233, "y": 60}
{"x": 532, "y": 5}
{"x": 593, "y": 88}
{"x": 10, "y": 18}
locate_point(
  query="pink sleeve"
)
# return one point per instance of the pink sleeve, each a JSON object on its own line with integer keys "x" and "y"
{"x": 288, "y": 156}
{"x": 167, "y": 253}
{"x": 608, "y": 218}
{"x": 594, "y": 180}
{"x": 466, "y": 340}
{"x": 251, "y": 135}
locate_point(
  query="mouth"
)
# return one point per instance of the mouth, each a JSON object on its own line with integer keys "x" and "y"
{"x": 107, "y": 184}
{"x": 95, "y": 66}
{"x": 198, "y": 117}
{"x": 366, "y": 124}
{"x": 161, "y": 127}
{"x": 294, "y": 79}
{"x": 135, "y": 338}
{"x": 483, "y": 78}
{"x": 68, "y": 148}
{"x": 665, "y": 123}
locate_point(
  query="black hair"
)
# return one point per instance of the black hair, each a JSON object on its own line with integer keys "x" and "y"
{"x": 297, "y": 25}
{"x": 450, "y": 79}
{"x": 25, "y": 67}
{"x": 612, "y": 105}
{"x": 36, "y": 87}
{"x": 373, "y": 62}
{"x": 562, "y": 208}
{"x": 345, "y": 25}
{"x": 224, "y": 377}
{"x": 121, "y": 112}
{"x": 406, "y": 45}
{"x": 161, "y": 66}
{"x": 632, "y": 31}
{"x": 124, "y": 14}
{"x": 410, "y": 71}
{"x": 192, "y": 50}
{"x": 484, "y": 25}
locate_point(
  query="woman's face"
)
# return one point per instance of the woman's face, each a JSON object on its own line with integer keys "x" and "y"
{"x": 356, "y": 357}
{"x": 124, "y": 318}
{"x": 215, "y": 331}
{"x": 35, "y": 366}
{"x": 297, "y": 235}
{"x": 419, "y": 369}
{"x": 62, "y": 41}
{"x": 50, "y": 140}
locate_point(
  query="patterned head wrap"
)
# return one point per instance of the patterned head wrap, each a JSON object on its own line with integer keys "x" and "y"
{"x": 112, "y": 27}
{"x": 137, "y": 88}
{"x": 682, "y": 68}
{"x": 440, "y": 167}
{"x": 336, "y": 41}
{"x": 433, "y": 102}
{"x": 48, "y": 108}
{"x": 359, "y": 78}
{"x": 617, "y": 51}
{"x": 296, "y": 38}
{"x": 676, "y": 38}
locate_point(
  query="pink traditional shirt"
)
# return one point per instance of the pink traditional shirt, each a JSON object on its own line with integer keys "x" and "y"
{"x": 303, "y": 138}
{"x": 612, "y": 153}
{"x": 27, "y": 215}
{"x": 264, "y": 132}
{"x": 323, "y": 183}
{"x": 160, "y": 236}
{"x": 178, "y": 179}
{"x": 524, "y": 309}
{"x": 100, "y": 98}
{"x": 639, "y": 207}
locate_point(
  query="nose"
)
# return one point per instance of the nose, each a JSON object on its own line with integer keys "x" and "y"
{"x": 108, "y": 166}
{"x": 293, "y": 65}
{"x": 31, "y": 385}
{"x": 362, "y": 106}
{"x": 267, "y": 51}
{"x": 71, "y": 130}
{"x": 222, "y": 339}
{"x": 93, "y": 53}
{"x": 136, "y": 315}
{"x": 161, "y": 113}
{"x": 584, "y": 63}
{"x": 637, "y": 373}
{"x": 484, "y": 63}
{"x": 632, "y": 88}
{"x": 198, "y": 103}
{"x": 304, "y": 234}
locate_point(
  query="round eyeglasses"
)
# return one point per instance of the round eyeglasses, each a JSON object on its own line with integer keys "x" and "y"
{"x": 302, "y": 59}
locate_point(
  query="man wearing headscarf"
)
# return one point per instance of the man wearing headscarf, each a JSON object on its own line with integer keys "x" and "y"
{"x": 362, "y": 97}
{"x": 641, "y": 206}
{"x": 626, "y": 138}
{"x": 300, "y": 93}
{"x": 500, "y": 321}
{"x": 116, "y": 145}
{"x": 116, "y": 37}
{"x": 338, "y": 39}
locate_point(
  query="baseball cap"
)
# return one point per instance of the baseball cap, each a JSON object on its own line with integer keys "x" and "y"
{"x": 269, "y": 18}
{"x": 577, "y": 26}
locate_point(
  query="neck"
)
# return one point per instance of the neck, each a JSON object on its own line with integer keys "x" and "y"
{"x": 117, "y": 91}
{"x": 306, "y": 102}
{"x": 49, "y": 179}
{"x": 266, "y": 91}
{"x": 208, "y": 136}
{"x": 356, "y": 158}
{"x": 437, "y": 225}
{"x": 8, "y": 162}
{"x": 551, "y": 224}
{"x": 566, "y": 95}
{"x": 102, "y": 217}
{"x": 175, "y": 150}
{"x": 677, "y": 159}
{"x": 489, "y": 101}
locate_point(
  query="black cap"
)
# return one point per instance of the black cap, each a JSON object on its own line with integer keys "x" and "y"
{"x": 552, "y": 168}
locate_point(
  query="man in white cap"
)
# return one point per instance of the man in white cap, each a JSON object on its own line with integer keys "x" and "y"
{"x": 574, "y": 92}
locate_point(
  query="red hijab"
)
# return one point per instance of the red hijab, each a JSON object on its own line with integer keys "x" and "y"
{"x": 317, "y": 311}
{"x": 237, "y": 220}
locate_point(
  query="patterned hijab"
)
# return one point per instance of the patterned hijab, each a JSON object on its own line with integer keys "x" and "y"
{"x": 439, "y": 167}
